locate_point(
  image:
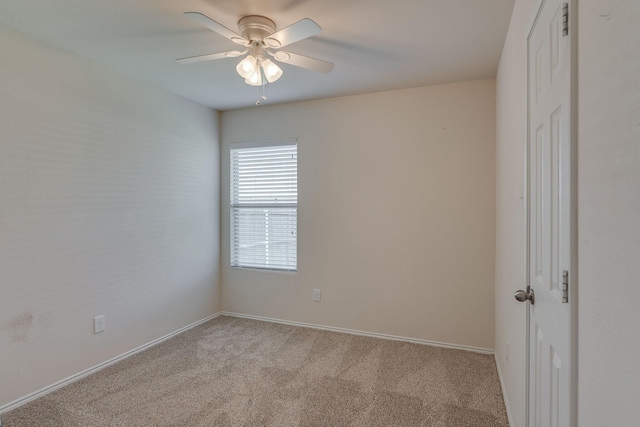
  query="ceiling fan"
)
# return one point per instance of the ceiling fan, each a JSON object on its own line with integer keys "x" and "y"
{"x": 260, "y": 40}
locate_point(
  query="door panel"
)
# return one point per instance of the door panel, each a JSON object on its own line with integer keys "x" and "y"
{"x": 548, "y": 218}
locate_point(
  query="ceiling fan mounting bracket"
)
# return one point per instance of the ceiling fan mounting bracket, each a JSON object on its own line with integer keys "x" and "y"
{"x": 256, "y": 28}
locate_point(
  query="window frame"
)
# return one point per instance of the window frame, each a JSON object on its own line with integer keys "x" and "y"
{"x": 274, "y": 206}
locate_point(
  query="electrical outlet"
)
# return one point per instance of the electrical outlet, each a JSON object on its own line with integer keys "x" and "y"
{"x": 316, "y": 295}
{"x": 98, "y": 324}
{"x": 506, "y": 350}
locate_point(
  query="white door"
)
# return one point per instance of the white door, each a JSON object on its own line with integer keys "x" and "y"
{"x": 550, "y": 267}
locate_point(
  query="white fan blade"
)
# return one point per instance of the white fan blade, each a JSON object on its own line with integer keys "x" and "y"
{"x": 210, "y": 57}
{"x": 218, "y": 28}
{"x": 293, "y": 33}
{"x": 303, "y": 61}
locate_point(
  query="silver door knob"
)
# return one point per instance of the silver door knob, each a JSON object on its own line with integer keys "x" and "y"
{"x": 522, "y": 296}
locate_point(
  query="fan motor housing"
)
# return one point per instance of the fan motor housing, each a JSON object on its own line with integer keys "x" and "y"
{"x": 256, "y": 28}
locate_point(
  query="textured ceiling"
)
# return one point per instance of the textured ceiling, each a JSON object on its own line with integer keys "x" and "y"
{"x": 376, "y": 44}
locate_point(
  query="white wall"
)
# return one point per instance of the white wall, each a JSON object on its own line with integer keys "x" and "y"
{"x": 609, "y": 212}
{"x": 109, "y": 204}
{"x": 396, "y": 213}
{"x": 511, "y": 138}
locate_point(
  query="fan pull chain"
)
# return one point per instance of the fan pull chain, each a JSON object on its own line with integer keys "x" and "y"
{"x": 264, "y": 84}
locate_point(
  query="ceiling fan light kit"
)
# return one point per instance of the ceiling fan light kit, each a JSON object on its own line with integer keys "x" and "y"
{"x": 255, "y": 79}
{"x": 258, "y": 35}
{"x": 254, "y": 65}
{"x": 271, "y": 71}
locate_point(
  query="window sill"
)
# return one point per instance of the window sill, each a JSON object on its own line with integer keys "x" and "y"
{"x": 265, "y": 270}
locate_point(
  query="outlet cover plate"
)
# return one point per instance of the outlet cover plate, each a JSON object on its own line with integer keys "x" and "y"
{"x": 98, "y": 324}
{"x": 316, "y": 295}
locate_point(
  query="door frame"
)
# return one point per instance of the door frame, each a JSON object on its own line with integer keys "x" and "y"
{"x": 573, "y": 143}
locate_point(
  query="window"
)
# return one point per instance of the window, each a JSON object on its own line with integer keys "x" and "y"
{"x": 264, "y": 205}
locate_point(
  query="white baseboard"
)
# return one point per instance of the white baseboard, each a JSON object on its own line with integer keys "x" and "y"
{"x": 46, "y": 390}
{"x": 363, "y": 333}
{"x": 504, "y": 391}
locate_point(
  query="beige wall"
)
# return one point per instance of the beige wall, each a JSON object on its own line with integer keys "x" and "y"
{"x": 609, "y": 213}
{"x": 511, "y": 138}
{"x": 109, "y": 204}
{"x": 396, "y": 213}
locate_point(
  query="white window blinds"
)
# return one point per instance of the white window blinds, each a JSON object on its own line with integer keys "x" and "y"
{"x": 264, "y": 200}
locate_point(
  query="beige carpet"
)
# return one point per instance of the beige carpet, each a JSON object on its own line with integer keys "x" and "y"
{"x": 239, "y": 372}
